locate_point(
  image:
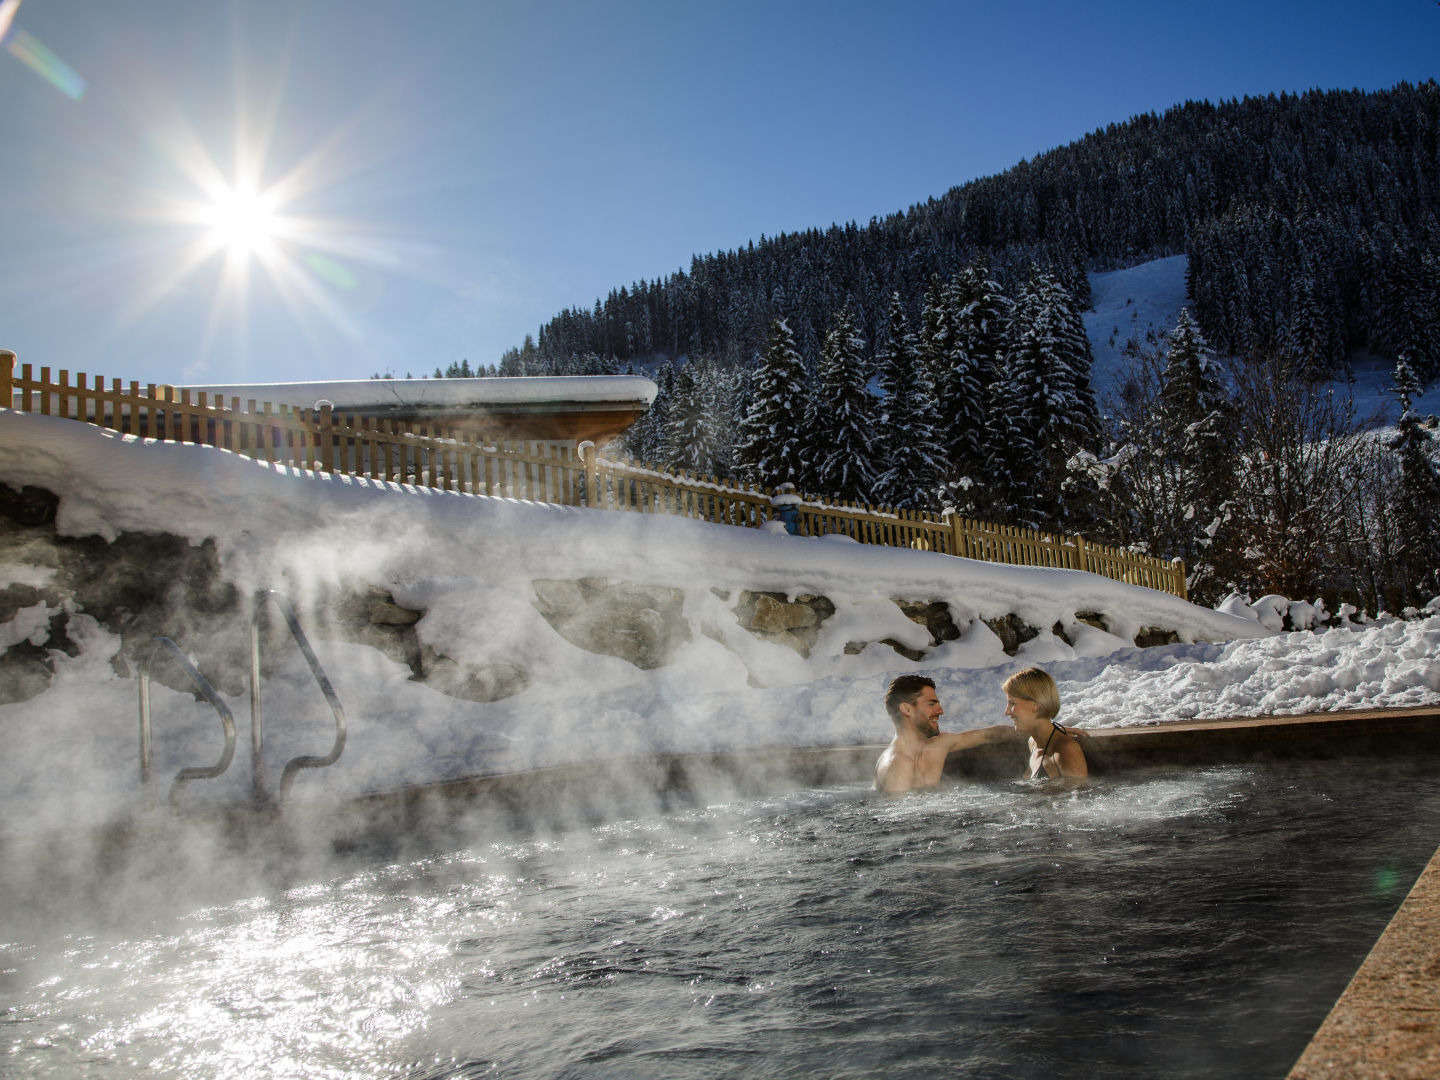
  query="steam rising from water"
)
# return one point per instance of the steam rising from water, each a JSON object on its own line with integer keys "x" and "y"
{"x": 170, "y": 931}
{"x": 784, "y": 934}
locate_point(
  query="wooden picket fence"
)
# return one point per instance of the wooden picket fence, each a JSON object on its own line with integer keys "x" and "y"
{"x": 466, "y": 462}
{"x": 950, "y": 534}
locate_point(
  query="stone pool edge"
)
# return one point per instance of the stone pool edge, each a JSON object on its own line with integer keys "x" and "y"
{"x": 1386, "y": 1023}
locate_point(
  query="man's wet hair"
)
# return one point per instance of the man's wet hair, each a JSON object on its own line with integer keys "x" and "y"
{"x": 905, "y": 689}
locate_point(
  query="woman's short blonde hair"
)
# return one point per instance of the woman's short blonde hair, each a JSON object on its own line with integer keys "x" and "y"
{"x": 1035, "y": 685}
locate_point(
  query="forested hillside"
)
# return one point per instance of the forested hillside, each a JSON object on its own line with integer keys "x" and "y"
{"x": 1310, "y": 222}
{"x": 938, "y": 359}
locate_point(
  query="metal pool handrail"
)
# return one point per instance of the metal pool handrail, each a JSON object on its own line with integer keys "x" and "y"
{"x": 305, "y": 761}
{"x": 227, "y": 722}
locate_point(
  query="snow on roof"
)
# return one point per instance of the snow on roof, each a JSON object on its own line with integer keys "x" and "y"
{"x": 626, "y": 391}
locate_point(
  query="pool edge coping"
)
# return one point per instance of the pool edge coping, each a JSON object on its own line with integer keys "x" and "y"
{"x": 1386, "y": 1022}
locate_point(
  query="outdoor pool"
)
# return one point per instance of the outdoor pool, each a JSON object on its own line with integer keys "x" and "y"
{"x": 1180, "y": 924}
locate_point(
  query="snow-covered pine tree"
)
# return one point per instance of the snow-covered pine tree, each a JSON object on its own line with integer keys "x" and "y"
{"x": 723, "y": 394}
{"x": 1022, "y": 426}
{"x": 889, "y": 361}
{"x": 959, "y": 398}
{"x": 682, "y": 439}
{"x": 643, "y": 439}
{"x": 1061, "y": 331}
{"x": 767, "y": 452}
{"x": 1313, "y": 335}
{"x": 1197, "y": 419}
{"x": 1048, "y": 359}
{"x": 913, "y": 459}
{"x": 1416, "y": 499}
{"x": 1196, "y": 441}
{"x": 979, "y": 312}
{"x": 842, "y": 422}
{"x": 937, "y": 330}
{"x": 693, "y": 431}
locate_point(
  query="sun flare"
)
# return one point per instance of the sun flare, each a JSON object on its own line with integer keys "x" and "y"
{"x": 252, "y": 231}
{"x": 242, "y": 221}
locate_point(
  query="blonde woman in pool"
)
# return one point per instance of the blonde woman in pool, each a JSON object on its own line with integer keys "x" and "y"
{"x": 1032, "y": 702}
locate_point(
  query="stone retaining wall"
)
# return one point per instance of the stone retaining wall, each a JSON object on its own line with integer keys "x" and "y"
{"x": 145, "y": 584}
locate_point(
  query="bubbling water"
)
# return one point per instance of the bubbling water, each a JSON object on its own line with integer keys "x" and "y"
{"x": 1189, "y": 924}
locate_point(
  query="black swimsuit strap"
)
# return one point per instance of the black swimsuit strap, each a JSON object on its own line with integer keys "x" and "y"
{"x": 1054, "y": 728}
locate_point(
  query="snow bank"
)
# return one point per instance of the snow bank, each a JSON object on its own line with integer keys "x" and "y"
{"x": 1387, "y": 663}
{"x": 268, "y": 517}
{"x": 469, "y": 563}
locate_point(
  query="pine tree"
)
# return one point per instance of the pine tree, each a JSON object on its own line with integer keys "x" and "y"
{"x": 722, "y": 394}
{"x": 1416, "y": 500}
{"x": 1062, "y": 331}
{"x": 1023, "y": 425}
{"x": 1049, "y": 358}
{"x": 980, "y": 314}
{"x": 767, "y": 452}
{"x": 1196, "y": 439}
{"x": 644, "y": 439}
{"x": 954, "y": 327}
{"x": 687, "y": 438}
{"x": 935, "y": 340}
{"x": 1196, "y": 415}
{"x": 842, "y": 422}
{"x": 913, "y": 458}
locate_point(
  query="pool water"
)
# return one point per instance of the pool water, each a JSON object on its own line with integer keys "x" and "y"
{"x": 1193, "y": 924}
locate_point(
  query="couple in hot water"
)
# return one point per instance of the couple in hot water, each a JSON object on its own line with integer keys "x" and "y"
{"x": 916, "y": 755}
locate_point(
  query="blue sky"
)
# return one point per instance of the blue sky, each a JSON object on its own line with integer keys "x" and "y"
{"x": 450, "y": 175}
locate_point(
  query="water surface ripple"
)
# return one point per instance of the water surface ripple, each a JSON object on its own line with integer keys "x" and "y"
{"x": 1185, "y": 924}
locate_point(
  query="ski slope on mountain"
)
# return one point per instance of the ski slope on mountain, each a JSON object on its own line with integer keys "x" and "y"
{"x": 1142, "y": 302}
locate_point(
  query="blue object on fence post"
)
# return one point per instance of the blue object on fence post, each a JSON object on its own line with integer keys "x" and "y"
{"x": 787, "y": 508}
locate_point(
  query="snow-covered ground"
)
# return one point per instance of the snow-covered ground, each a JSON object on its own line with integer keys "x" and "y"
{"x": 70, "y": 753}
{"x": 1130, "y": 303}
{"x": 1148, "y": 297}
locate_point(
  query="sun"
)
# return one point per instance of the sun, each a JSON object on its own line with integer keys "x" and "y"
{"x": 242, "y": 221}
{"x": 256, "y": 226}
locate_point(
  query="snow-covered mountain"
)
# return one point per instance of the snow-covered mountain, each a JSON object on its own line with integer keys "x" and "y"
{"x": 1146, "y": 299}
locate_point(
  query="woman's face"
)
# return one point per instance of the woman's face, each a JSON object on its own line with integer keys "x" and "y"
{"x": 1024, "y": 714}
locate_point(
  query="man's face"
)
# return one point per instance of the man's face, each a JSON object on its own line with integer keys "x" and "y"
{"x": 925, "y": 713}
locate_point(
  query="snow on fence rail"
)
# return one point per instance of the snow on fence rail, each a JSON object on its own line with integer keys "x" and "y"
{"x": 954, "y": 535}
{"x": 465, "y": 461}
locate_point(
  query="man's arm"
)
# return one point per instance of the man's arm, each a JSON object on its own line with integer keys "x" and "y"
{"x": 950, "y": 741}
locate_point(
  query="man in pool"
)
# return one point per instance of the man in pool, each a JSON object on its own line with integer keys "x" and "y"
{"x": 916, "y": 755}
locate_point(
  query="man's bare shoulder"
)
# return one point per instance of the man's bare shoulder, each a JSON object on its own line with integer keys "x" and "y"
{"x": 895, "y": 771}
